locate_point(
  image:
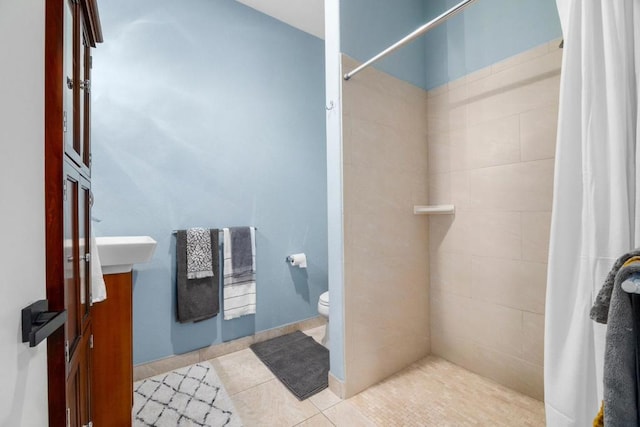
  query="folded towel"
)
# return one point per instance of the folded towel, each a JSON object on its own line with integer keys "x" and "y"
{"x": 620, "y": 369}
{"x": 600, "y": 310}
{"x": 199, "y": 254}
{"x": 98, "y": 287}
{"x": 239, "y": 272}
{"x": 197, "y": 299}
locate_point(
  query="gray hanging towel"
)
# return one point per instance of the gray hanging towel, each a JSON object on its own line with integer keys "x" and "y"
{"x": 241, "y": 251}
{"x": 600, "y": 309}
{"x": 239, "y": 272}
{"x": 197, "y": 299}
{"x": 620, "y": 376}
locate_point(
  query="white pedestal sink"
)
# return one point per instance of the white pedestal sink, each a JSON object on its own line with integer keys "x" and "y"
{"x": 119, "y": 253}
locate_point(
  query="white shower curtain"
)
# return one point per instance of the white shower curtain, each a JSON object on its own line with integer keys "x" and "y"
{"x": 595, "y": 203}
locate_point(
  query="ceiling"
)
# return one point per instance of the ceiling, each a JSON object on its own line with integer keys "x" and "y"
{"x": 305, "y": 15}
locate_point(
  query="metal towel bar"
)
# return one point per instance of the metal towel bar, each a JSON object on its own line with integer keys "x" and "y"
{"x": 219, "y": 231}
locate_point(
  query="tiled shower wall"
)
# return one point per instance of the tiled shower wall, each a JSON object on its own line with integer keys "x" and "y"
{"x": 386, "y": 283}
{"x": 491, "y": 139}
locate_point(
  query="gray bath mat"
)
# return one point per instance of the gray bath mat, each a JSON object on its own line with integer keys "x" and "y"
{"x": 299, "y": 362}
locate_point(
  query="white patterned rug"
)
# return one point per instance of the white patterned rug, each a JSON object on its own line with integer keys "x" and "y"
{"x": 191, "y": 396}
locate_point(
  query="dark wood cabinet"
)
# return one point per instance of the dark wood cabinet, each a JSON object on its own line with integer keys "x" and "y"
{"x": 76, "y": 197}
{"x": 77, "y": 84}
{"x": 71, "y": 250}
{"x": 72, "y": 29}
{"x": 78, "y": 385}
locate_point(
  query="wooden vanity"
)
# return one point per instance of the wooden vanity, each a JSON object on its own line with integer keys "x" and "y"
{"x": 113, "y": 353}
{"x": 112, "y": 367}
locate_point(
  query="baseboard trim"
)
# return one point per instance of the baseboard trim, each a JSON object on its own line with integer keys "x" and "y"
{"x": 336, "y": 386}
{"x": 170, "y": 363}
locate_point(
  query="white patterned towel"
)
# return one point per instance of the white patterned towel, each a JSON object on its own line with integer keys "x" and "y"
{"x": 199, "y": 261}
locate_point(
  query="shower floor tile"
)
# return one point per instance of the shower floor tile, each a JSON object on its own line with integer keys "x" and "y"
{"x": 431, "y": 392}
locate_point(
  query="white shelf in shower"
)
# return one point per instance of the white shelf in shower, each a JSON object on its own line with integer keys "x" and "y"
{"x": 434, "y": 210}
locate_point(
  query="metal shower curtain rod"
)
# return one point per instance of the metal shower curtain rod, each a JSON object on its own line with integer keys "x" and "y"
{"x": 414, "y": 35}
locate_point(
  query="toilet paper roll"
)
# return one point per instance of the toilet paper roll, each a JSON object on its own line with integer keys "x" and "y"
{"x": 299, "y": 260}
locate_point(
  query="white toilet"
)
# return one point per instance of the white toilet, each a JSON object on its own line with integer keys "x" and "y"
{"x": 323, "y": 310}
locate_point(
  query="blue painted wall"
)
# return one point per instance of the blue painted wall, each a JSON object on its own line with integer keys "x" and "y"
{"x": 486, "y": 32}
{"x": 369, "y": 26}
{"x": 210, "y": 114}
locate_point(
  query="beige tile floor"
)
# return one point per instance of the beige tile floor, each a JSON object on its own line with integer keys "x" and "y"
{"x": 431, "y": 392}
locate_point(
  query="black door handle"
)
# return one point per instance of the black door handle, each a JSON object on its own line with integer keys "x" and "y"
{"x": 38, "y": 323}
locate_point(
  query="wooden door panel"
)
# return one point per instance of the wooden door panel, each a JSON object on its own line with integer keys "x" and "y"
{"x": 86, "y": 108}
{"x": 84, "y": 275}
{"x": 73, "y": 326}
{"x": 73, "y": 397}
{"x": 80, "y": 55}
{"x": 68, "y": 78}
{"x": 72, "y": 146}
{"x": 77, "y": 83}
{"x": 71, "y": 27}
{"x": 57, "y": 20}
{"x": 78, "y": 388}
{"x": 85, "y": 369}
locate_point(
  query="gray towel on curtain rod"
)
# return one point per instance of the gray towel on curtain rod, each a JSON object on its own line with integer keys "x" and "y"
{"x": 197, "y": 299}
{"x": 600, "y": 309}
